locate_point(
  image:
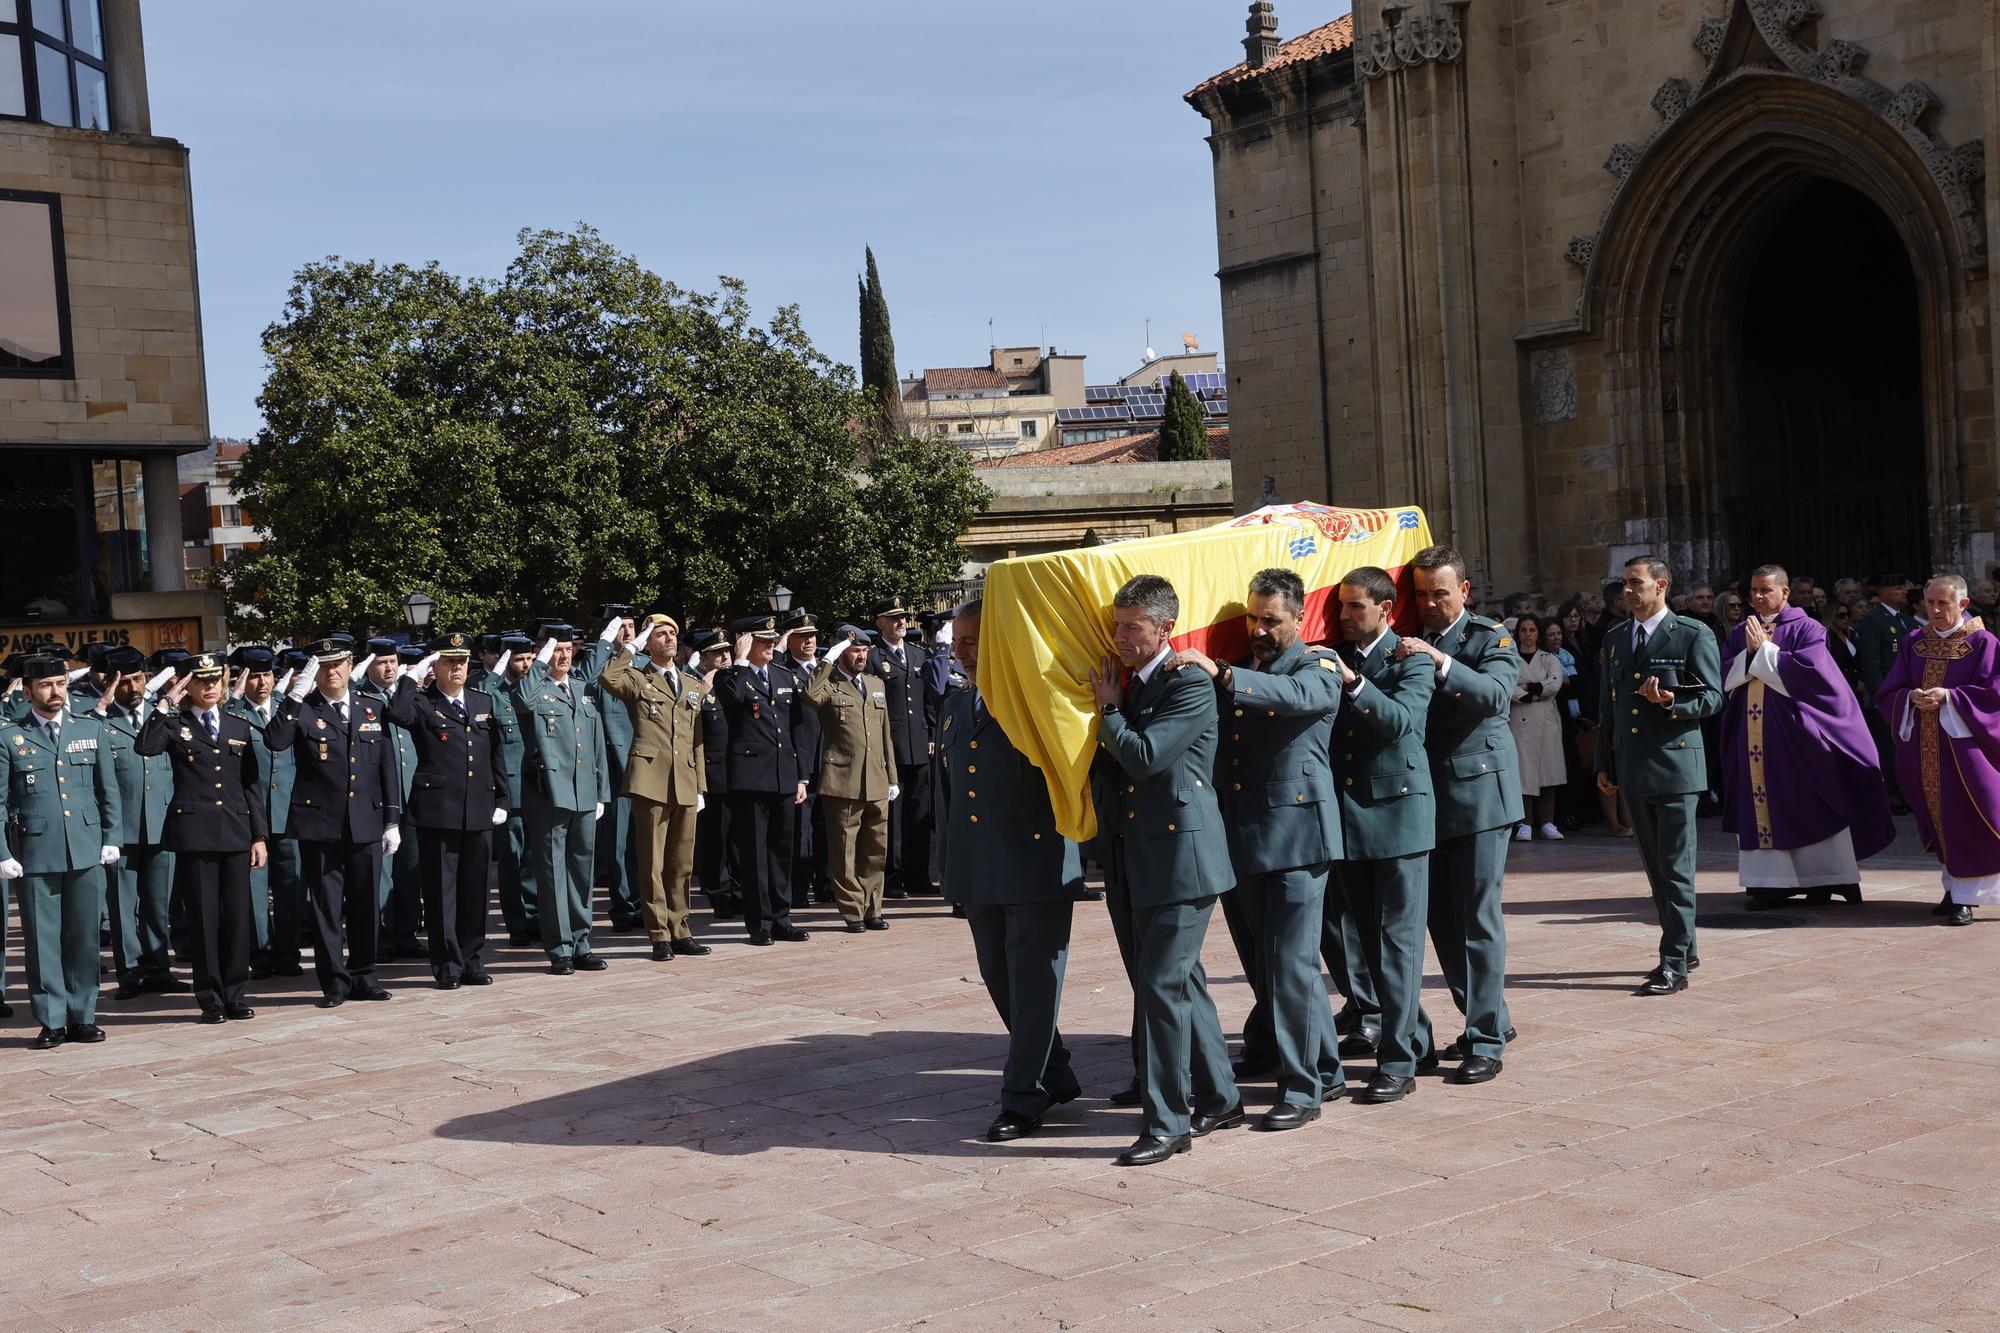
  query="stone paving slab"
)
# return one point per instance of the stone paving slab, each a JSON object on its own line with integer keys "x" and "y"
{"x": 1809, "y": 1138}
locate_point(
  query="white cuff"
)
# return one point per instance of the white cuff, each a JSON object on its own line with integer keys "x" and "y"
{"x": 1909, "y": 722}
{"x": 1954, "y": 725}
{"x": 1764, "y": 666}
{"x": 1444, "y": 666}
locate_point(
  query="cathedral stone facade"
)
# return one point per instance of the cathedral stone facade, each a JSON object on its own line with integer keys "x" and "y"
{"x": 1590, "y": 277}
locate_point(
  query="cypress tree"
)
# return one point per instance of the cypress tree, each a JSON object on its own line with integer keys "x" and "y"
{"x": 878, "y": 352}
{"x": 1184, "y": 432}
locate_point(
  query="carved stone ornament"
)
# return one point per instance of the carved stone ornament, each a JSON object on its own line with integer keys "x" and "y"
{"x": 1552, "y": 385}
{"x": 1419, "y": 39}
{"x": 1672, "y": 99}
{"x": 1624, "y": 157}
{"x": 1580, "y": 250}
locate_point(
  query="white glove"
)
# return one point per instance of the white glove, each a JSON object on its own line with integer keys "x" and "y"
{"x": 107, "y": 856}
{"x": 833, "y": 653}
{"x": 302, "y": 684}
{"x": 361, "y": 667}
{"x": 943, "y": 637}
{"x": 546, "y": 652}
{"x": 700, "y": 803}
{"x": 421, "y": 669}
{"x": 600, "y": 811}
{"x": 158, "y": 683}
{"x": 78, "y": 674}
{"x": 11, "y": 869}
{"x": 392, "y": 840}
{"x": 285, "y": 682}
{"x": 894, "y": 791}
{"x": 500, "y": 667}
{"x": 640, "y": 640}
{"x": 610, "y": 631}
{"x": 499, "y": 817}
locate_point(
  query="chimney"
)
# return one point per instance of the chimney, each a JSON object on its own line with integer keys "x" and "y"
{"x": 1261, "y": 46}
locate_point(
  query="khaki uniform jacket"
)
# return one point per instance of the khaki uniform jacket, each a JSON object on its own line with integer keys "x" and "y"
{"x": 857, "y": 748}
{"x": 668, "y": 762}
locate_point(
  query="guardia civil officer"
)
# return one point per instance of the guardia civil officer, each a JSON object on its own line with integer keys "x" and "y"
{"x": 277, "y": 897}
{"x": 617, "y": 858}
{"x": 140, "y": 887}
{"x": 566, "y": 786}
{"x": 217, "y": 827}
{"x": 1001, "y": 857}
{"x": 765, "y": 789}
{"x": 345, "y": 806}
{"x": 458, "y": 797}
{"x": 59, "y": 821}
{"x": 520, "y": 899}
{"x": 1475, "y": 778}
{"x": 908, "y": 673}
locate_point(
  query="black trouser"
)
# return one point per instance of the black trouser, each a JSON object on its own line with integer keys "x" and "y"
{"x": 805, "y": 838}
{"x": 215, "y": 887}
{"x": 909, "y": 868}
{"x": 760, "y": 828}
{"x": 342, "y": 881}
{"x": 454, "y": 865}
{"x": 714, "y": 857}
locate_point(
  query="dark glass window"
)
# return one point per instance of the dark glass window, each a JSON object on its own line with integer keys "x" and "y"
{"x": 52, "y": 62}
{"x": 34, "y": 295}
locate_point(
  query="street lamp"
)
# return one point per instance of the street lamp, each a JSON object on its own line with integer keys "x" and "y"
{"x": 417, "y": 610}
{"x": 780, "y": 599}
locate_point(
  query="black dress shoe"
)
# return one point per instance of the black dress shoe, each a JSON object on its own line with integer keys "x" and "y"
{"x": 289, "y": 967}
{"x": 896, "y": 893}
{"x": 663, "y": 952}
{"x": 260, "y": 971}
{"x": 129, "y": 990}
{"x": 369, "y": 992}
{"x": 1008, "y": 1126}
{"x": 163, "y": 983}
{"x": 1332, "y": 1092}
{"x": 590, "y": 962}
{"x": 1285, "y": 1116}
{"x": 50, "y": 1038}
{"x": 87, "y": 1033}
{"x": 446, "y": 983}
{"x": 6, "y": 1010}
{"x": 1126, "y": 1096}
{"x": 1694, "y": 965}
{"x": 1348, "y": 1019}
{"x": 1386, "y": 1088}
{"x": 875, "y": 922}
{"x": 624, "y": 927}
{"x": 518, "y": 938}
{"x": 760, "y": 937}
{"x": 477, "y": 978}
{"x": 728, "y": 911}
{"x": 1663, "y": 980}
{"x": 958, "y": 910}
{"x": 1961, "y": 915}
{"x": 1429, "y": 1064}
{"x": 1460, "y": 1048}
{"x": 239, "y": 1012}
{"x": 1944, "y": 905}
{"x": 329, "y": 1001}
{"x": 1477, "y": 1069}
{"x": 1253, "y": 1068}
{"x": 854, "y": 928}
{"x": 1201, "y": 1124}
{"x": 1360, "y": 1043}
{"x": 692, "y": 947}
{"x": 1149, "y": 1150}
{"x": 790, "y": 933}
{"x": 562, "y": 967}
{"x": 212, "y": 1016}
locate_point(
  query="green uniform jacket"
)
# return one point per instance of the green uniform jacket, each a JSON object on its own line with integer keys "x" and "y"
{"x": 1152, "y": 781}
{"x": 1274, "y": 773}
{"x": 1475, "y": 772}
{"x": 569, "y": 767}
{"x": 145, "y": 783}
{"x": 1649, "y": 750}
{"x": 1877, "y": 638}
{"x": 280, "y": 767}
{"x": 996, "y": 832}
{"x": 1386, "y": 805}
{"x": 513, "y": 746}
{"x": 59, "y": 805}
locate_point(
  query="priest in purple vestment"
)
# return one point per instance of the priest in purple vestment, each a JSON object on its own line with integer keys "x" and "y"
{"x": 1942, "y": 701}
{"x": 1802, "y": 786}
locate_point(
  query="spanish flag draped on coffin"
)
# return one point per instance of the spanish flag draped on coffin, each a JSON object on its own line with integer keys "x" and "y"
{"x": 1047, "y": 621}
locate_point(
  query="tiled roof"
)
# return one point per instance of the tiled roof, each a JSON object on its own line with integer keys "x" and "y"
{"x": 1335, "y": 36}
{"x": 1141, "y": 448}
{"x": 957, "y": 379}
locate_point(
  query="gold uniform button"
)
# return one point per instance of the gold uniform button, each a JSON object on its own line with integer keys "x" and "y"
{"x": 1173, "y": 828}
{"x": 1038, "y": 837}
{"x": 1239, "y": 712}
{"x": 1236, "y": 786}
{"x": 972, "y": 768}
{"x": 1635, "y": 731}
{"x": 1350, "y": 782}
{"x": 974, "y": 745}
{"x": 1301, "y": 796}
{"x": 1131, "y": 789}
{"x": 971, "y": 794}
{"x": 1272, "y": 713}
{"x": 1131, "y": 814}
{"x": 973, "y": 818}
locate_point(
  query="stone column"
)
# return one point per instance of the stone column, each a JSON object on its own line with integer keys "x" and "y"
{"x": 163, "y": 522}
{"x": 125, "y": 58}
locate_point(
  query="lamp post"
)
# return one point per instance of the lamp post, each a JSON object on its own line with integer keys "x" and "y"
{"x": 417, "y": 610}
{"x": 780, "y": 599}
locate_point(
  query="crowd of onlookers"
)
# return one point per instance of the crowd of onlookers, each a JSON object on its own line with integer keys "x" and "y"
{"x": 1555, "y": 708}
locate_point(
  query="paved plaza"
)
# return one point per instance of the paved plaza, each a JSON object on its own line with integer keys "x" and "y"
{"x": 789, "y": 1138}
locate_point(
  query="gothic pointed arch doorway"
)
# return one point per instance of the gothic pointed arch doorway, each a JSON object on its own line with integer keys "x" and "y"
{"x": 1821, "y": 431}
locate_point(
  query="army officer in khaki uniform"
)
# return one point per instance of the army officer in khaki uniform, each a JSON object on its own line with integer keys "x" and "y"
{"x": 857, "y": 777}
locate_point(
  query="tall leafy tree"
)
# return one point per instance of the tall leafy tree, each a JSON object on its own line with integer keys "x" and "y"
{"x": 1184, "y": 432}
{"x": 878, "y": 354}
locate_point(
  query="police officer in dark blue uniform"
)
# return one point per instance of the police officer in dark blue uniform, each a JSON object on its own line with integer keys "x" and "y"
{"x": 765, "y": 786}
{"x": 910, "y": 676}
{"x": 714, "y": 857}
{"x": 810, "y": 881}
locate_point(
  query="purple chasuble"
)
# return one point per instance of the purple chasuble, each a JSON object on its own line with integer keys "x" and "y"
{"x": 1801, "y": 768}
{"x": 1952, "y": 784}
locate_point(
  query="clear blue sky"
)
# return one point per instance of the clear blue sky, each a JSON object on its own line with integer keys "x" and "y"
{"x": 1032, "y": 163}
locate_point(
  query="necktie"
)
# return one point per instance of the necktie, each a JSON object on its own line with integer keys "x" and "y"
{"x": 458, "y": 710}
{"x": 978, "y": 703}
{"x": 208, "y": 725}
{"x": 763, "y": 678}
{"x": 341, "y": 708}
{"x": 1639, "y": 641}
{"x": 673, "y": 681}
{"x": 54, "y": 727}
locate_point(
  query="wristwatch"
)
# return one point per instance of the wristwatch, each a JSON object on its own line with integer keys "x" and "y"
{"x": 1106, "y": 710}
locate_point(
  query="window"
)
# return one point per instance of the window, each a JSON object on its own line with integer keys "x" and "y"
{"x": 52, "y": 63}
{"x": 34, "y": 297}
{"x": 965, "y": 428}
{"x": 1029, "y": 430}
{"x": 232, "y": 516}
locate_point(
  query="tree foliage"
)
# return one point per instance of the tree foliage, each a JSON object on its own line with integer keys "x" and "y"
{"x": 878, "y": 355}
{"x": 1184, "y": 432}
{"x": 578, "y": 427}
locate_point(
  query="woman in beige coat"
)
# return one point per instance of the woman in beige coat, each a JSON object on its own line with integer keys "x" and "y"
{"x": 1537, "y": 733}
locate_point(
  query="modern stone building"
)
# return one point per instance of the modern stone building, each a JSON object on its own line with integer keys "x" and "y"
{"x": 101, "y": 383}
{"x": 1590, "y": 277}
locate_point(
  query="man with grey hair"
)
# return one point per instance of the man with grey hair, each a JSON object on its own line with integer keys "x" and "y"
{"x": 1160, "y": 838}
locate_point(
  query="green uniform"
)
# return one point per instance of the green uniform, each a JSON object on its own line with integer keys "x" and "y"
{"x": 1476, "y": 777}
{"x": 402, "y": 885}
{"x": 616, "y": 850}
{"x": 1276, "y": 786}
{"x": 520, "y": 905}
{"x": 59, "y": 810}
{"x": 277, "y": 891}
{"x": 1000, "y": 855}
{"x": 141, "y": 885}
{"x": 1160, "y": 838}
{"x": 567, "y": 778}
{"x": 1655, "y": 756}
{"x": 1388, "y": 821}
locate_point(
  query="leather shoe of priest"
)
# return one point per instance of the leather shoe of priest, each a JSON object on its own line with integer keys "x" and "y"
{"x": 1386, "y": 1088}
{"x": 50, "y": 1038}
{"x": 590, "y": 962}
{"x": 1285, "y": 1116}
{"x": 1360, "y": 1043}
{"x": 790, "y": 934}
{"x": 1663, "y": 980}
{"x": 240, "y": 1012}
{"x": 1008, "y": 1126}
{"x": 1202, "y": 1123}
{"x": 1944, "y": 905}
{"x": 1960, "y": 915}
{"x": 692, "y": 947}
{"x": 1150, "y": 1150}
{"x": 87, "y": 1033}
{"x": 1477, "y": 1069}
{"x": 1126, "y": 1096}
{"x": 368, "y": 993}
{"x": 1254, "y": 1068}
